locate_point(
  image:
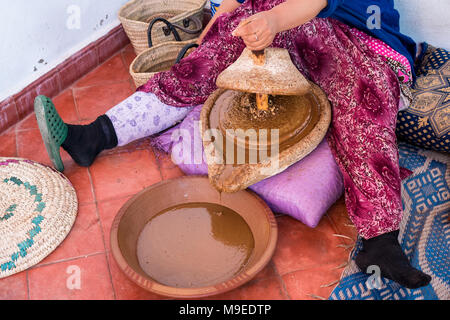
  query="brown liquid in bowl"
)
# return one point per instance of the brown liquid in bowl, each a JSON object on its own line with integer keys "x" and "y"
{"x": 194, "y": 245}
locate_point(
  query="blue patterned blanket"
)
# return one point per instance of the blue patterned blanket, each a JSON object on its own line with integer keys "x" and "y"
{"x": 424, "y": 233}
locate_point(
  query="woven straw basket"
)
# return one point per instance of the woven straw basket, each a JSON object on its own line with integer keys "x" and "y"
{"x": 158, "y": 58}
{"x": 38, "y": 207}
{"x": 185, "y": 15}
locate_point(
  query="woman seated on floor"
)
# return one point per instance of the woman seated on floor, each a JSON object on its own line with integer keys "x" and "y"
{"x": 365, "y": 73}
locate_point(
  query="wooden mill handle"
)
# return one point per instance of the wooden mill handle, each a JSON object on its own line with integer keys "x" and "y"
{"x": 262, "y": 100}
{"x": 259, "y": 58}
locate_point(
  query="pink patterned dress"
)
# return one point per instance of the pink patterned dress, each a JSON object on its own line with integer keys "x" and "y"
{"x": 363, "y": 89}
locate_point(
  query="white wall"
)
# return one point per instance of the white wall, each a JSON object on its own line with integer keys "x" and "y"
{"x": 426, "y": 20}
{"x": 35, "y": 37}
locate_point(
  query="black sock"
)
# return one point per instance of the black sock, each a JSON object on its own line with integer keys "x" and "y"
{"x": 385, "y": 252}
{"x": 85, "y": 142}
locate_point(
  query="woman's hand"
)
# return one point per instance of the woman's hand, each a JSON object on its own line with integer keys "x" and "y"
{"x": 258, "y": 31}
{"x": 225, "y": 6}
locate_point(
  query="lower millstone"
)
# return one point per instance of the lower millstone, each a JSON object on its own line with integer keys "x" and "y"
{"x": 287, "y": 120}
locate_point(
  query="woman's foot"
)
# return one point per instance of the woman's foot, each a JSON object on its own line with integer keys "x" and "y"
{"x": 385, "y": 252}
{"x": 82, "y": 142}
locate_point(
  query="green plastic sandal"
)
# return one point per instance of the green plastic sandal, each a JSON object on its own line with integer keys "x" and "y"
{"x": 53, "y": 129}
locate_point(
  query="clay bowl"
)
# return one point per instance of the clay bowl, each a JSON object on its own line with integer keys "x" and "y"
{"x": 137, "y": 211}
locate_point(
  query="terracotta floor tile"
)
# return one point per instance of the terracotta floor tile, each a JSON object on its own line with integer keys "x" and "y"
{"x": 169, "y": 170}
{"x": 342, "y": 224}
{"x": 65, "y": 106}
{"x": 107, "y": 210}
{"x": 94, "y": 101}
{"x": 84, "y": 122}
{"x": 111, "y": 71}
{"x": 84, "y": 239}
{"x": 266, "y": 289}
{"x": 14, "y": 287}
{"x": 51, "y": 282}
{"x": 79, "y": 177}
{"x": 8, "y": 147}
{"x": 28, "y": 123}
{"x": 128, "y": 55}
{"x": 300, "y": 247}
{"x": 125, "y": 289}
{"x": 305, "y": 284}
{"x": 172, "y": 173}
{"x": 123, "y": 174}
{"x": 141, "y": 144}
{"x": 267, "y": 272}
{"x": 30, "y": 146}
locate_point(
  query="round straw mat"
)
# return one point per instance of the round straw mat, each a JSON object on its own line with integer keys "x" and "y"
{"x": 38, "y": 207}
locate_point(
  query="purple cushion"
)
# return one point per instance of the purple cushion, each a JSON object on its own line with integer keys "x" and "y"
{"x": 305, "y": 191}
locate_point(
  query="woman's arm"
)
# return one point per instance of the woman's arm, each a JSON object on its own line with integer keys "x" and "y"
{"x": 225, "y": 6}
{"x": 259, "y": 30}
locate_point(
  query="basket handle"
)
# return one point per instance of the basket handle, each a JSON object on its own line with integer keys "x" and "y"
{"x": 167, "y": 30}
{"x": 186, "y": 22}
{"x": 184, "y": 51}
